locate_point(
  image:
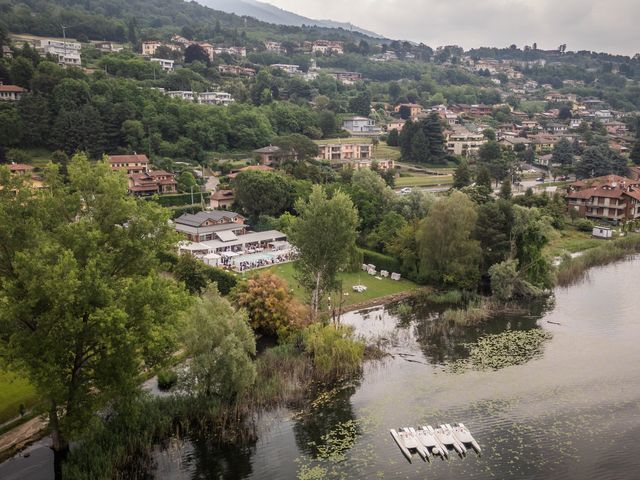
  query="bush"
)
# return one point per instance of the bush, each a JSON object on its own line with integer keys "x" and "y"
{"x": 584, "y": 225}
{"x": 225, "y": 280}
{"x": 333, "y": 350}
{"x": 167, "y": 379}
{"x": 179, "y": 199}
{"x": 381, "y": 261}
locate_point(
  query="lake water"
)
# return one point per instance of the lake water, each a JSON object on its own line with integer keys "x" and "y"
{"x": 573, "y": 412}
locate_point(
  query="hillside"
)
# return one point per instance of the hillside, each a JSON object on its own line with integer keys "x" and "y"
{"x": 272, "y": 14}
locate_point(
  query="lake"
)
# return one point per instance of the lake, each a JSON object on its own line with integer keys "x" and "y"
{"x": 570, "y": 412}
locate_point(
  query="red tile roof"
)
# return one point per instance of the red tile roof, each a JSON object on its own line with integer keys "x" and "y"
{"x": 128, "y": 159}
{"x": 12, "y": 88}
{"x": 20, "y": 167}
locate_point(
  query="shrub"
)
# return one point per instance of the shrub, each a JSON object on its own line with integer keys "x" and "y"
{"x": 179, "y": 199}
{"x": 381, "y": 261}
{"x": 334, "y": 351}
{"x": 167, "y": 379}
{"x": 584, "y": 225}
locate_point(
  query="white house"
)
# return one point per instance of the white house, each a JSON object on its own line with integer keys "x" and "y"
{"x": 361, "y": 125}
{"x": 67, "y": 53}
{"x": 167, "y": 65}
{"x": 11, "y": 93}
{"x": 215, "y": 98}
{"x": 291, "y": 69}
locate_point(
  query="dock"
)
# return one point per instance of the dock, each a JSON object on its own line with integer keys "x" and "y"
{"x": 428, "y": 442}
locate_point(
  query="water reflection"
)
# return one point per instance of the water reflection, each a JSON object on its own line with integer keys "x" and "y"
{"x": 312, "y": 426}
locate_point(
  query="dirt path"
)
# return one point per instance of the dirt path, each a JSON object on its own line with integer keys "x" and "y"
{"x": 19, "y": 437}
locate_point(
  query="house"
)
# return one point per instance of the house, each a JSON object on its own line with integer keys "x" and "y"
{"x": 510, "y": 143}
{"x": 613, "y": 128}
{"x": 473, "y": 110}
{"x": 11, "y": 93}
{"x": 285, "y": 67}
{"x": 214, "y": 98}
{"x": 222, "y": 199}
{"x": 360, "y": 126}
{"x": 152, "y": 183}
{"x": 208, "y": 48}
{"x": 272, "y": 154}
{"x": 7, "y": 52}
{"x": 357, "y": 164}
{"x": 602, "y": 232}
{"x": 108, "y": 47}
{"x": 395, "y": 125}
{"x": 187, "y": 95}
{"x": 556, "y": 97}
{"x": 611, "y": 198}
{"x": 344, "y": 151}
{"x": 557, "y": 128}
{"x": 150, "y": 46}
{"x": 20, "y": 168}
{"x": 275, "y": 47}
{"x": 236, "y": 70}
{"x": 131, "y": 163}
{"x": 347, "y": 78}
{"x": 410, "y": 110}
{"x": 211, "y": 225}
{"x": 66, "y": 53}
{"x": 167, "y": 65}
{"x": 543, "y": 143}
{"x": 464, "y": 143}
{"x": 325, "y": 47}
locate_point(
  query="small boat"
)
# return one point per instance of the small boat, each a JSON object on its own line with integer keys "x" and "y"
{"x": 463, "y": 435}
{"x": 401, "y": 444}
{"x": 446, "y": 437}
{"x": 429, "y": 441}
{"x": 460, "y": 444}
{"x": 441, "y": 446}
{"x": 420, "y": 448}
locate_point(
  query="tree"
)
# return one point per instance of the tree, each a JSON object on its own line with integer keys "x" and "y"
{"x": 483, "y": 178}
{"x": 297, "y": 145}
{"x": 186, "y": 182}
{"x": 419, "y": 147}
{"x": 271, "y": 308}
{"x": 361, "y": 104}
{"x": 504, "y": 276}
{"x": 600, "y": 160}
{"x": 386, "y": 230}
{"x": 489, "y": 134}
{"x": 494, "y": 159}
{"x": 325, "y": 236}
{"x": 462, "y": 175}
{"x": 531, "y": 233}
{"x": 562, "y": 153}
{"x": 448, "y": 254}
{"x": 493, "y": 231}
{"x": 192, "y": 272}
{"x": 133, "y": 134}
{"x": 83, "y": 307}
{"x": 195, "y": 53}
{"x": 220, "y": 346}
{"x": 263, "y": 193}
{"x": 392, "y": 138}
{"x": 505, "y": 189}
{"x": 327, "y": 123}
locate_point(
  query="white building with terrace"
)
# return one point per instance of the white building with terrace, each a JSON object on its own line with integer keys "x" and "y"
{"x": 220, "y": 239}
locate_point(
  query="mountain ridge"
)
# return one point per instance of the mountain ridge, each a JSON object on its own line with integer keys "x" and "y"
{"x": 270, "y": 13}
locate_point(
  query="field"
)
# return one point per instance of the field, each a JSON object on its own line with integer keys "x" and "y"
{"x": 13, "y": 392}
{"x": 424, "y": 181}
{"x": 375, "y": 288}
{"x": 571, "y": 240}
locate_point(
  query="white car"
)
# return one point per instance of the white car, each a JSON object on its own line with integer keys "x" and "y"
{"x": 405, "y": 190}
{"x": 359, "y": 288}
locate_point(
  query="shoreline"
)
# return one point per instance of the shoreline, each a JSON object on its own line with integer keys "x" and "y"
{"x": 384, "y": 300}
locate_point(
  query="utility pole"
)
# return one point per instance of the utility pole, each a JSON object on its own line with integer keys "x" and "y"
{"x": 64, "y": 43}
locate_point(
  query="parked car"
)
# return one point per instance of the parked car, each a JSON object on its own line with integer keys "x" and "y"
{"x": 540, "y": 179}
{"x": 405, "y": 190}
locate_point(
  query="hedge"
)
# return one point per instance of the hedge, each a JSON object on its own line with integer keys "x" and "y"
{"x": 179, "y": 199}
{"x": 225, "y": 280}
{"x": 381, "y": 261}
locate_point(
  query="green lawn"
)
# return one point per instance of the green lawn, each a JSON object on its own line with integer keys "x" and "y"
{"x": 571, "y": 240}
{"x": 13, "y": 392}
{"x": 424, "y": 180}
{"x": 375, "y": 288}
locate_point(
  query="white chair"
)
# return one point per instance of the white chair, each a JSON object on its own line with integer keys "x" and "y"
{"x": 395, "y": 276}
{"x": 384, "y": 273}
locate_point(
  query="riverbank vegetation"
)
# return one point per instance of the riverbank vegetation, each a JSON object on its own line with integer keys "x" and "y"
{"x": 572, "y": 270}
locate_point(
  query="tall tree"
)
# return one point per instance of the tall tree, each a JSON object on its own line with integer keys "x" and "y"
{"x": 263, "y": 193}
{"x": 392, "y": 138}
{"x": 195, "y": 53}
{"x": 220, "y": 345}
{"x": 449, "y": 255}
{"x": 562, "y": 153}
{"x": 325, "y": 236}
{"x": 83, "y": 307}
{"x": 462, "y": 175}
{"x": 361, "y": 104}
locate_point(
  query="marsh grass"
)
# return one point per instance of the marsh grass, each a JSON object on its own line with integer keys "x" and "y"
{"x": 572, "y": 270}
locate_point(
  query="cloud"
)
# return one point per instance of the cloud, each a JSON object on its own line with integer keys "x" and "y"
{"x": 601, "y": 25}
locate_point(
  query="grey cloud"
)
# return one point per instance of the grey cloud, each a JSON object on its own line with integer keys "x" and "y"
{"x": 601, "y": 25}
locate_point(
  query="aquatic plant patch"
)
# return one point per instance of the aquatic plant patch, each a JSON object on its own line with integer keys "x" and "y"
{"x": 493, "y": 352}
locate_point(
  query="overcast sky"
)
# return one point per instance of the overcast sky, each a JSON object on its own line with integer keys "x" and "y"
{"x": 600, "y": 25}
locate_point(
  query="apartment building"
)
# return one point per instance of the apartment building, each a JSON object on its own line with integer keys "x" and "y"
{"x": 344, "y": 151}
